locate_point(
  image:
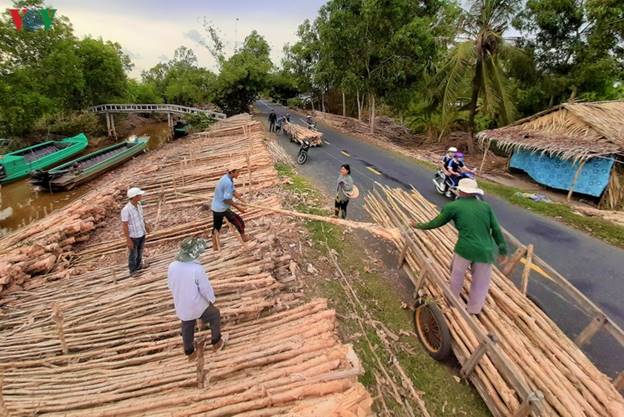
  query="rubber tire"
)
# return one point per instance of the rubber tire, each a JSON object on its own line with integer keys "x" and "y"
{"x": 302, "y": 158}
{"x": 445, "y": 335}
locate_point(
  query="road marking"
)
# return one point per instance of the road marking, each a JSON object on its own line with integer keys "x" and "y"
{"x": 327, "y": 142}
{"x": 345, "y": 153}
{"x": 373, "y": 170}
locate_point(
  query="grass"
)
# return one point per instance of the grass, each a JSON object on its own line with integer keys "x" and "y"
{"x": 442, "y": 392}
{"x": 597, "y": 227}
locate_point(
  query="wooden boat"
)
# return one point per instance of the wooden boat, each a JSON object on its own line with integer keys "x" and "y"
{"x": 83, "y": 169}
{"x": 21, "y": 163}
{"x": 180, "y": 129}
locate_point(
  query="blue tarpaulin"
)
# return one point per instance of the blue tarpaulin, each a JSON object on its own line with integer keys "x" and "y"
{"x": 558, "y": 173}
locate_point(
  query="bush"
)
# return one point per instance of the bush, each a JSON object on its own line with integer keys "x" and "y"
{"x": 295, "y": 102}
{"x": 199, "y": 121}
{"x": 70, "y": 124}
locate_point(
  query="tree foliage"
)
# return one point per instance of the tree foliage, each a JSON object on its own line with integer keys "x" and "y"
{"x": 51, "y": 71}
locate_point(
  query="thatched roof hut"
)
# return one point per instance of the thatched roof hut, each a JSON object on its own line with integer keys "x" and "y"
{"x": 578, "y": 139}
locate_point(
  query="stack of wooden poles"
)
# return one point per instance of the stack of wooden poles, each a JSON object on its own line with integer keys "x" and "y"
{"x": 537, "y": 351}
{"x": 299, "y": 134}
{"x": 104, "y": 343}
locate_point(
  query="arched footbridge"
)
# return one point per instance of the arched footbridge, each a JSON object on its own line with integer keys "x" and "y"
{"x": 169, "y": 109}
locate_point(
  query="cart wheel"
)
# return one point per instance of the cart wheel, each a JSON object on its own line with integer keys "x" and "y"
{"x": 432, "y": 330}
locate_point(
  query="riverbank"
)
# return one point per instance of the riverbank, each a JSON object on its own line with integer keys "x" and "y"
{"x": 21, "y": 204}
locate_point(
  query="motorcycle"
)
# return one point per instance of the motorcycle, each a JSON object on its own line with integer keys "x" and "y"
{"x": 302, "y": 156}
{"x": 445, "y": 186}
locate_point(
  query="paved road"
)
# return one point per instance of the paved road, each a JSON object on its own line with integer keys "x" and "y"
{"x": 595, "y": 268}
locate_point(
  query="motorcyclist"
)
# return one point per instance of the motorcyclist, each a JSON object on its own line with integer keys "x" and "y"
{"x": 288, "y": 117}
{"x": 457, "y": 169}
{"x": 309, "y": 121}
{"x": 448, "y": 156}
{"x": 279, "y": 123}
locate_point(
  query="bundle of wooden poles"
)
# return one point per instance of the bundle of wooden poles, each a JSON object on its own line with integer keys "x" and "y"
{"x": 299, "y": 134}
{"x": 104, "y": 343}
{"x": 538, "y": 353}
{"x": 42, "y": 246}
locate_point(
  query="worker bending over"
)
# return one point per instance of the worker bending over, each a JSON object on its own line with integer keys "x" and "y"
{"x": 193, "y": 296}
{"x": 222, "y": 203}
{"x": 478, "y": 231}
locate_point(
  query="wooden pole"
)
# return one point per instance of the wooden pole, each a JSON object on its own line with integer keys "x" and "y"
{"x": 201, "y": 344}
{"x": 590, "y": 330}
{"x": 485, "y": 151}
{"x": 112, "y": 118}
{"x": 57, "y": 316}
{"x": 527, "y": 269}
{"x": 576, "y": 176}
{"x": 3, "y": 410}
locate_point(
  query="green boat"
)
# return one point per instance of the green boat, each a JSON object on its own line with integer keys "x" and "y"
{"x": 20, "y": 164}
{"x": 78, "y": 171}
{"x": 180, "y": 129}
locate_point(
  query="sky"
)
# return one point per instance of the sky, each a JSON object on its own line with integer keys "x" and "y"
{"x": 150, "y": 31}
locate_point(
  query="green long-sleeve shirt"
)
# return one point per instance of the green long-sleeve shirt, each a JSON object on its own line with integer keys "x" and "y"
{"x": 477, "y": 226}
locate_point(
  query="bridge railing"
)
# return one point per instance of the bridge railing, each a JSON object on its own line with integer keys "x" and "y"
{"x": 153, "y": 108}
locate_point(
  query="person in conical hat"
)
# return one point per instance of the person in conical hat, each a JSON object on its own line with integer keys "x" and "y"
{"x": 480, "y": 237}
{"x": 193, "y": 295}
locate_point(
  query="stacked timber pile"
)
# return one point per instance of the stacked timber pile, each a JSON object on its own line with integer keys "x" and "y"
{"x": 298, "y": 134}
{"x": 102, "y": 343}
{"x": 536, "y": 349}
{"x": 42, "y": 246}
{"x": 385, "y": 127}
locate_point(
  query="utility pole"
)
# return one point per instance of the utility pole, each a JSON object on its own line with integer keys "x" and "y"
{"x": 235, "y": 35}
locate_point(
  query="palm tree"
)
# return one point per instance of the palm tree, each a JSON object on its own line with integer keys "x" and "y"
{"x": 478, "y": 56}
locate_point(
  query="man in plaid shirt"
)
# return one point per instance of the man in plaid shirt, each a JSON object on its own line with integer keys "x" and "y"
{"x": 134, "y": 228}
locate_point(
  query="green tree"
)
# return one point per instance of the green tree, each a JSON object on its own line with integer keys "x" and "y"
{"x": 142, "y": 93}
{"x": 103, "y": 71}
{"x": 577, "y": 47}
{"x": 244, "y": 75}
{"x": 475, "y": 65}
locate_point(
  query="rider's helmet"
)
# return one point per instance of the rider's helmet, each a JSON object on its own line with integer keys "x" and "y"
{"x": 452, "y": 149}
{"x": 459, "y": 155}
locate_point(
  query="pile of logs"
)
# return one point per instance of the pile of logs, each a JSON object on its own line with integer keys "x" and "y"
{"x": 42, "y": 246}
{"x": 298, "y": 134}
{"x": 385, "y": 127}
{"x": 104, "y": 343}
{"x": 536, "y": 354}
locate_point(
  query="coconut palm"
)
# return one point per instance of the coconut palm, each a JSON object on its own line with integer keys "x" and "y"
{"x": 473, "y": 65}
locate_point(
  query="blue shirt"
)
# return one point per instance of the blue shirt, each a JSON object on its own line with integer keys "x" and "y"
{"x": 224, "y": 191}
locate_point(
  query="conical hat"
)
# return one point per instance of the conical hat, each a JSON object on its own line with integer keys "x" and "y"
{"x": 354, "y": 193}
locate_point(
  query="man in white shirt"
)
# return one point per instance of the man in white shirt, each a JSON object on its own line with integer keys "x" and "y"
{"x": 193, "y": 296}
{"x": 134, "y": 228}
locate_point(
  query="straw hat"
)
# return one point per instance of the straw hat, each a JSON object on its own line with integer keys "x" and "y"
{"x": 354, "y": 193}
{"x": 469, "y": 186}
{"x": 134, "y": 191}
{"x": 191, "y": 248}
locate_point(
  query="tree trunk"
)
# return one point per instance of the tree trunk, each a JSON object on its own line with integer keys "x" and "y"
{"x": 323, "y": 101}
{"x": 473, "y": 106}
{"x": 344, "y": 104}
{"x": 372, "y": 118}
{"x": 312, "y": 101}
{"x": 359, "y": 104}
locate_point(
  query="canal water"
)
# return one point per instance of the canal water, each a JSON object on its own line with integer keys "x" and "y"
{"x": 21, "y": 204}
